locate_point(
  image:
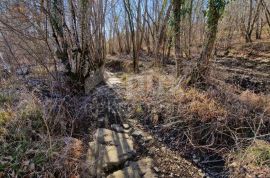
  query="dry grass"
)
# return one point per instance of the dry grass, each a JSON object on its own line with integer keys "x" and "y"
{"x": 256, "y": 101}
{"x": 210, "y": 120}
{"x": 152, "y": 87}
{"x": 253, "y": 161}
{"x": 33, "y": 136}
{"x": 202, "y": 106}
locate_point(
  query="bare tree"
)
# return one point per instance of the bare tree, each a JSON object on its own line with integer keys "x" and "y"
{"x": 177, "y": 11}
{"x": 200, "y": 73}
{"x": 252, "y": 18}
{"x": 130, "y": 17}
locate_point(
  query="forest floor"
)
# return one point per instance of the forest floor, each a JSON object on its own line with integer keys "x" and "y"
{"x": 222, "y": 131}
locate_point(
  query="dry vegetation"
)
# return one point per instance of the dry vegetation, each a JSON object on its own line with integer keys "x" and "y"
{"x": 219, "y": 121}
{"x": 199, "y": 82}
{"x": 35, "y": 133}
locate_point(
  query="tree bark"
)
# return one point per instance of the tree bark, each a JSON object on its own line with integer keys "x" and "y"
{"x": 200, "y": 73}
{"x": 177, "y": 5}
{"x": 133, "y": 37}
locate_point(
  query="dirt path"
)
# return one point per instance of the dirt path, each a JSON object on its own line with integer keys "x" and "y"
{"x": 121, "y": 148}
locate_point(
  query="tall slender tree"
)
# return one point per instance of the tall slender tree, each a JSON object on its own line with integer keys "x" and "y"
{"x": 200, "y": 72}
{"x": 130, "y": 16}
{"x": 177, "y": 12}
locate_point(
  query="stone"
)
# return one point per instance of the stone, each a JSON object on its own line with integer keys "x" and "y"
{"x": 156, "y": 169}
{"x": 104, "y": 158}
{"x": 126, "y": 126}
{"x": 128, "y": 131}
{"x": 148, "y": 138}
{"x": 109, "y": 137}
{"x": 117, "y": 128}
{"x": 128, "y": 172}
{"x": 145, "y": 165}
{"x": 115, "y": 155}
{"x": 141, "y": 168}
{"x": 137, "y": 133}
{"x": 109, "y": 150}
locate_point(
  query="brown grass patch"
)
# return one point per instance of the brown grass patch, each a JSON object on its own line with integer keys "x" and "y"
{"x": 256, "y": 101}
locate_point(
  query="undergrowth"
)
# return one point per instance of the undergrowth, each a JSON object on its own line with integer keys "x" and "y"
{"x": 28, "y": 144}
{"x": 215, "y": 120}
{"x": 255, "y": 159}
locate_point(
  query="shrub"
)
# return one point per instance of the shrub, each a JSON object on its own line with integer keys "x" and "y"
{"x": 202, "y": 106}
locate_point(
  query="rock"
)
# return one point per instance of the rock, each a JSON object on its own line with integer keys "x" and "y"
{"x": 116, "y": 155}
{"x": 148, "y": 138}
{"x": 141, "y": 168}
{"x": 109, "y": 150}
{"x": 128, "y": 172}
{"x": 137, "y": 133}
{"x": 117, "y": 128}
{"x": 145, "y": 166}
{"x": 156, "y": 169}
{"x": 109, "y": 137}
{"x": 128, "y": 131}
{"x": 104, "y": 158}
{"x": 126, "y": 126}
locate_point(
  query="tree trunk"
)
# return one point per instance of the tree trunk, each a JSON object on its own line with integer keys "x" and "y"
{"x": 201, "y": 71}
{"x": 160, "y": 35}
{"x": 133, "y": 37}
{"x": 259, "y": 28}
{"x": 190, "y": 28}
{"x": 251, "y": 22}
{"x": 177, "y": 5}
